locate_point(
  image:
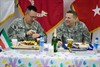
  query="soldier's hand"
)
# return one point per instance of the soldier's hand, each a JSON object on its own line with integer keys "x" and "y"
{"x": 35, "y": 35}
{"x": 59, "y": 43}
{"x": 30, "y": 32}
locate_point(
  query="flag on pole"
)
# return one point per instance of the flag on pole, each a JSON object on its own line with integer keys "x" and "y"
{"x": 4, "y": 40}
{"x": 50, "y": 12}
{"x": 6, "y": 10}
{"x": 88, "y": 12}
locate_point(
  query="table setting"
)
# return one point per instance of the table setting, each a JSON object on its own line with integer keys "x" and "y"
{"x": 24, "y": 56}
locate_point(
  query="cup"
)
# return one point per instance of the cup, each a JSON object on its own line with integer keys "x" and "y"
{"x": 69, "y": 42}
{"x": 60, "y": 49}
{"x": 14, "y": 42}
{"x": 51, "y": 50}
{"x": 38, "y": 41}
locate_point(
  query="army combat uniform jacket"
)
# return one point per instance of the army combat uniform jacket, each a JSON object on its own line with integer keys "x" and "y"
{"x": 18, "y": 28}
{"x": 79, "y": 33}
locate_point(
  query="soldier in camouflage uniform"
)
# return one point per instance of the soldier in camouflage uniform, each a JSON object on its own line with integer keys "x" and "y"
{"x": 26, "y": 28}
{"x": 74, "y": 29}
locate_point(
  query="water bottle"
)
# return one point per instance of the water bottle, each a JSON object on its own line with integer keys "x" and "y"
{"x": 95, "y": 45}
{"x": 41, "y": 43}
{"x": 0, "y": 48}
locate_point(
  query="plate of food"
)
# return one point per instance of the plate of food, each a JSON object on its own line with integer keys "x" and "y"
{"x": 80, "y": 45}
{"x": 27, "y": 45}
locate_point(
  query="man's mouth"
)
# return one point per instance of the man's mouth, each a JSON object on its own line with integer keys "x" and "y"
{"x": 67, "y": 21}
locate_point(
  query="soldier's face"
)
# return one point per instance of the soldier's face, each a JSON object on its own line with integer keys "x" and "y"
{"x": 70, "y": 19}
{"x": 31, "y": 16}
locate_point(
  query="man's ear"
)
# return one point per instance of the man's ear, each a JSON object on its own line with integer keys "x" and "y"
{"x": 25, "y": 13}
{"x": 77, "y": 19}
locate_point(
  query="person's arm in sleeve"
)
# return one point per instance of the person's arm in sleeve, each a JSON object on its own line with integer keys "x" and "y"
{"x": 42, "y": 32}
{"x": 59, "y": 32}
{"x": 12, "y": 30}
{"x": 16, "y": 31}
{"x": 86, "y": 35}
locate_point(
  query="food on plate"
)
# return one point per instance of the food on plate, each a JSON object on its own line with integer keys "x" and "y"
{"x": 27, "y": 42}
{"x": 83, "y": 43}
{"x": 35, "y": 35}
{"x": 77, "y": 44}
{"x": 80, "y": 45}
{"x": 36, "y": 47}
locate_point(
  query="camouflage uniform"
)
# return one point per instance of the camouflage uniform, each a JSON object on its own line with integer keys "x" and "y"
{"x": 79, "y": 33}
{"x": 18, "y": 28}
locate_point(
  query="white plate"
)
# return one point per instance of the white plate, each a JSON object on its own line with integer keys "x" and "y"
{"x": 29, "y": 46}
{"x": 83, "y": 46}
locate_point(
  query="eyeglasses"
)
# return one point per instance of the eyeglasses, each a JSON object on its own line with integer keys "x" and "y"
{"x": 32, "y": 16}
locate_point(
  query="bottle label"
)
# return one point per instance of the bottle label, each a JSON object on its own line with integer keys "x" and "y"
{"x": 41, "y": 43}
{"x": 96, "y": 45}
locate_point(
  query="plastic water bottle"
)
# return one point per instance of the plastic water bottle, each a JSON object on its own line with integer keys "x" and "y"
{"x": 95, "y": 45}
{"x": 0, "y": 48}
{"x": 41, "y": 44}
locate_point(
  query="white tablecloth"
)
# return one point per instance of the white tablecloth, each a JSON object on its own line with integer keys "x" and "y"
{"x": 15, "y": 58}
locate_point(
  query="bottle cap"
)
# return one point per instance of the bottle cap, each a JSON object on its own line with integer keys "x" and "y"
{"x": 41, "y": 36}
{"x": 97, "y": 38}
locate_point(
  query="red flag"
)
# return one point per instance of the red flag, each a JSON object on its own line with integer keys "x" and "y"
{"x": 2, "y": 44}
{"x": 50, "y": 12}
{"x": 88, "y": 12}
{"x": 4, "y": 40}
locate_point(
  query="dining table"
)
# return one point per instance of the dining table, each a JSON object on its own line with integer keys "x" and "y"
{"x": 33, "y": 58}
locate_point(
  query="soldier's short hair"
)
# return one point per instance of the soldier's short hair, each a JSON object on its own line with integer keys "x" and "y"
{"x": 30, "y": 7}
{"x": 73, "y": 12}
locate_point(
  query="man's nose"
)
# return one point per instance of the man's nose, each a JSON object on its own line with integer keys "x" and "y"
{"x": 66, "y": 18}
{"x": 33, "y": 19}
